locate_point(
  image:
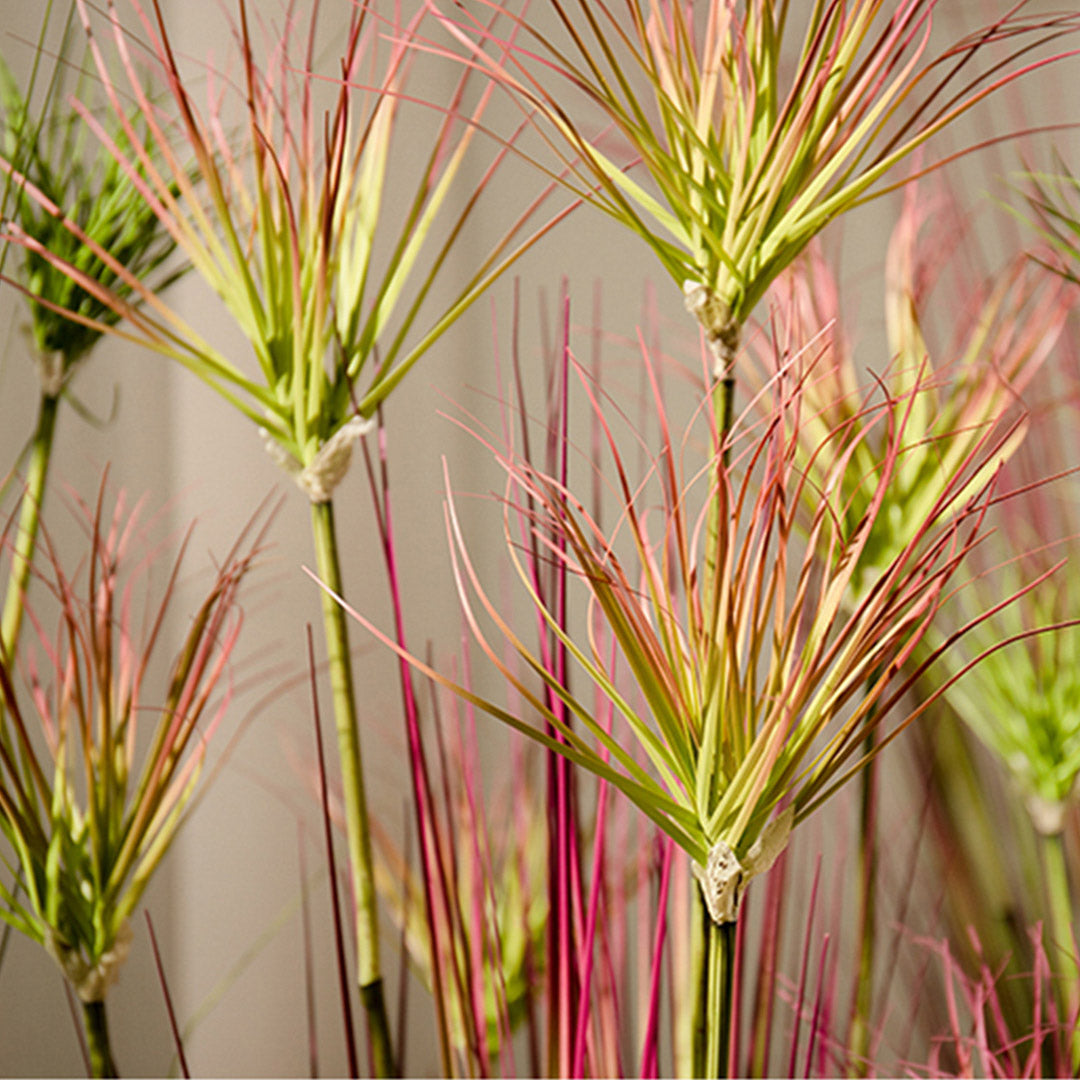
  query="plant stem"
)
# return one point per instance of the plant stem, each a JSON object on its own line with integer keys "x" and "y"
{"x": 714, "y": 945}
{"x": 859, "y": 1034}
{"x": 725, "y": 345}
{"x": 713, "y": 1014}
{"x": 369, "y": 974}
{"x": 699, "y": 966}
{"x": 29, "y": 517}
{"x": 1064, "y": 938}
{"x": 719, "y": 1011}
{"x": 97, "y": 1039}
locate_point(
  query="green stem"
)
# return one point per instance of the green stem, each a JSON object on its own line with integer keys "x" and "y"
{"x": 352, "y": 777}
{"x": 97, "y": 1039}
{"x": 859, "y": 1035}
{"x": 713, "y": 1017}
{"x": 29, "y": 517}
{"x": 699, "y": 965}
{"x": 725, "y": 345}
{"x": 721, "y": 984}
{"x": 1064, "y": 948}
{"x": 714, "y": 950}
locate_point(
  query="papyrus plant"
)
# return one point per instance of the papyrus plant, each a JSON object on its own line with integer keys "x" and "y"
{"x": 52, "y": 168}
{"x": 1023, "y": 702}
{"x": 479, "y": 948}
{"x": 754, "y": 679}
{"x": 97, "y": 768}
{"x": 291, "y": 223}
{"x": 999, "y": 334}
{"x": 749, "y": 125}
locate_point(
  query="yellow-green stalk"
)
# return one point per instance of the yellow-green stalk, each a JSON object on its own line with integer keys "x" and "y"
{"x": 47, "y": 166}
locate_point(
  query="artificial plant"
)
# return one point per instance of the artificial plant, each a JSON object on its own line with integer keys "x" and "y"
{"x": 90, "y": 801}
{"x": 51, "y": 168}
{"x": 294, "y": 229}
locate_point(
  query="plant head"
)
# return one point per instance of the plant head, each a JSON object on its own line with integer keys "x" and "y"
{"x": 1023, "y": 702}
{"x": 1000, "y": 332}
{"x": 485, "y": 927}
{"x": 753, "y": 678}
{"x": 89, "y": 800}
{"x": 51, "y": 170}
{"x": 754, "y": 124}
{"x": 289, "y": 220}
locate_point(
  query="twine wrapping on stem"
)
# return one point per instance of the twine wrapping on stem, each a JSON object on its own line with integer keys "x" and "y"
{"x": 721, "y": 330}
{"x": 50, "y": 365}
{"x": 724, "y": 877}
{"x": 328, "y": 468}
{"x": 90, "y": 981}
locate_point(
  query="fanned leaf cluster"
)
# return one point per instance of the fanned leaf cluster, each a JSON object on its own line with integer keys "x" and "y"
{"x": 999, "y": 336}
{"x": 53, "y": 168}
{"x": 87, "y": 803}
{"x": 282, "y": 218}
{"x": 754, "y": 676}
{"x": 746, "y": 156}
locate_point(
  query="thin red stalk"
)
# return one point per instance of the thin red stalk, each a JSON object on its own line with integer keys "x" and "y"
{"x": 993, "y": 1005}
{"x": 485, "y": 885}
{"x": 797, "y": 1014}
{"x": 815, "y": 1022}
{"x": 181, "y": 1057}
{"x": 418, "y": 770}
{"x": 615, "y": 956}
{"x": 532, "y": 1027}
{"x": 562, "y": 988}
{"x": 766, "y": 989}
{"x": 335, "y": 901}
{"x": 478, "y": 924}
{"x": 468, "y": 928}
{"x": 403, "y": 957}
{"x": 650, "y": 1054}
{"x": 645, "y": 847}
{"x": 593, "y": 909}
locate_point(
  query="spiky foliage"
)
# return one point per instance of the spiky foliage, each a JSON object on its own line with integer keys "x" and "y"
{"x": 737, "y": 693}
{"x": 52, "y": 168}
{"x": 755, "y": 678}
{"x": 325, "y": 276}
{"x": 89, "y": 800}
{"x": 746, "y": 156}
{"x": 1024, "y": 703}
{"x": 1053, "y": 200}
{"x": 285, "y": 221}
{"x": 56, "y": 171}
{"x": 998, "y": 336}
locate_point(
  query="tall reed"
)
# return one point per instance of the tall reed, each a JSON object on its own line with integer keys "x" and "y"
{"x": 50, "y": 169}
{"x": 89, "y": 802}
{"x": 757, "y": 681}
